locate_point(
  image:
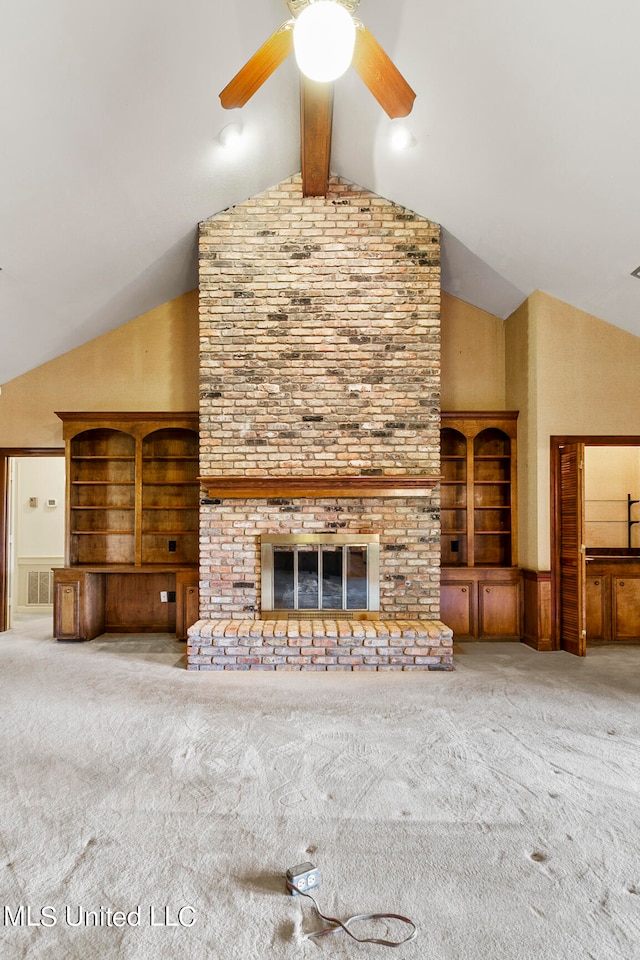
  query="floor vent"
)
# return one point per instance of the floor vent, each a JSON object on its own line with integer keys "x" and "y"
{"x": 40, "y": 587}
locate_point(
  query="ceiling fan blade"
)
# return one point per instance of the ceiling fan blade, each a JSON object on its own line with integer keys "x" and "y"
{"x": 381, "y": 75}
{"x": 258, "y": 68}
{"x": 316, "y": 115}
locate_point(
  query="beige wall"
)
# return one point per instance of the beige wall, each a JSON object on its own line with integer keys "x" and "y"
{"x": 582, "y": 378}
{"x": 520, "y": 391}
{"x": 150, "y": 363}
{"x": 564, "y": 370}
{"x": 473, "y": 367}
{"x": 610, "y": 475}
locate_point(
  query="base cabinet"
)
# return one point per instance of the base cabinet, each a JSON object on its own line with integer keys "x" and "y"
{"x": 78, "y": 604}
{"x": 89, "y": 602}
{"x": 482, "y": 603}
{"x": 613, "y": 599}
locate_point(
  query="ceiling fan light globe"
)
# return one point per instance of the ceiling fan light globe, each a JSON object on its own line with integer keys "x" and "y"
{"x": 324, "y": 37}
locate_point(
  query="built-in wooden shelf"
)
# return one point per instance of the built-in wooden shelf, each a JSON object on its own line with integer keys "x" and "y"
{"x": 257, "y": 488}
{"x": 132, "y": 503}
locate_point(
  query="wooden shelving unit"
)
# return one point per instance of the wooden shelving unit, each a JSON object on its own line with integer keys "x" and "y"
{"x": 132, "y": 511}
{"x": 481, "y": 586}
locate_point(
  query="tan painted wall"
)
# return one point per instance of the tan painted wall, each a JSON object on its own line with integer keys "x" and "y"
{"x": 564, "y": 370}
{"x": 610, "y": 475}
{"x": 582, "y": 379}
{"x": 472, "y": 359}
{"x": 150, "y": 363}
{"x": 520, "y": 391}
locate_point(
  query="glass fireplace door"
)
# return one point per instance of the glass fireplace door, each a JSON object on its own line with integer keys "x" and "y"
{"x": 322, "y": 574}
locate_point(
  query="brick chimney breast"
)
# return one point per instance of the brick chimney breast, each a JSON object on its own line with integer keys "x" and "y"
{"x": 320, "y": 358}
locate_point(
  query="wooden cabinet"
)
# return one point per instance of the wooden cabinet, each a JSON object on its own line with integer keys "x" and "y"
{"x": 482, "y": 605}
{"x": 481, "y": 593}
{"x": 458, "y": 605}
{"x": 132, "y": 506}
{"x": 499, "y": 608}
{"x": 613, "y": 596}
{"x": 78, "y": 604}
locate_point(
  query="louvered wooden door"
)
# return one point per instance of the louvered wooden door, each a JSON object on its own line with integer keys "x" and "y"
{"x": 572, "y": 576}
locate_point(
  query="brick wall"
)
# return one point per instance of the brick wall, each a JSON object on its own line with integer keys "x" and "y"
{"x": 320, "y": 355}
{"x": 409, "y": 549}
{"x": 320, "y": 336}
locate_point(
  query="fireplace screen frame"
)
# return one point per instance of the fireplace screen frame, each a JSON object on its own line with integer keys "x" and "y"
{"x": 267, "y": 570}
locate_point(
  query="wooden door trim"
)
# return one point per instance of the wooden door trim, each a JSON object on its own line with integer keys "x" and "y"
{"x": 557, "y": 441}
{"x": 6, "y": 453}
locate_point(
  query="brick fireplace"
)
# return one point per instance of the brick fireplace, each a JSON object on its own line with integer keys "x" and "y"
{"x": 319, "y": 414}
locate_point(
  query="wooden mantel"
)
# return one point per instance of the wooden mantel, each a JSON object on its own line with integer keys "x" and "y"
{"x": 256, "y": 488}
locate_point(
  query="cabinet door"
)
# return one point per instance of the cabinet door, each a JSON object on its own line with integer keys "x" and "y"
{"x": 457, "y": 608}
{"x": 187, "y": 603}
{"x": 499, "y": 610}
{"x": 626, "y": 608}
{"x": 595, "y": 595}
{"x": 66, "y": 609}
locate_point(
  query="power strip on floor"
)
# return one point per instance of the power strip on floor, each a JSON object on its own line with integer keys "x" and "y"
{"x": 302, "y": 878}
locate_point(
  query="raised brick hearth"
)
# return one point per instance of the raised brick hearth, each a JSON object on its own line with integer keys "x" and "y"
{"x": 320, "y": 644}
{"x": 320, "y": 409}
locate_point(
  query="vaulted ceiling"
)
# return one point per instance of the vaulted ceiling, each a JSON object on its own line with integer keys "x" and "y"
{"x": 527, "y": 151}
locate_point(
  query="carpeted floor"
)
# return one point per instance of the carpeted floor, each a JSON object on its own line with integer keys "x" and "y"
{"x": 497, "y": 806}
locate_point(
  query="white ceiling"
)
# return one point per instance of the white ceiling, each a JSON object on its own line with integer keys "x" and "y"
{"x": 528, "y": 151}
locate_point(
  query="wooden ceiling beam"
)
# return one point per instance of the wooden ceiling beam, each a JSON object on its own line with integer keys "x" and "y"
{"x": 316, "y": 117}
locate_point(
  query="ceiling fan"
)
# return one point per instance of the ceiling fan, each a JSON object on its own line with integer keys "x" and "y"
{"x": 374, "y": 67}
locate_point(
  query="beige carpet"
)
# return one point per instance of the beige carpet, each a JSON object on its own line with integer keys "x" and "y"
{"x": 498, "y": 806}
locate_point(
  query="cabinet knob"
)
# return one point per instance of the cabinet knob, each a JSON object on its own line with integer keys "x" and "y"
{"x": 190, "y": 589}
{"x": 67, "y": 590}
{"x": 464, "y": 590}
{"x": 487, "y": 589}
{"x": 597, "y": 583}
{"x": 622, "y": 583}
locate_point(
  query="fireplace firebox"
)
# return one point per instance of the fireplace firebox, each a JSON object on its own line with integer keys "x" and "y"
{"x": 320, "y": 575}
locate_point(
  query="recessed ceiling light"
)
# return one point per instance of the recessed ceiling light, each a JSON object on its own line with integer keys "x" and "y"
{"x": 636, "y": 273}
